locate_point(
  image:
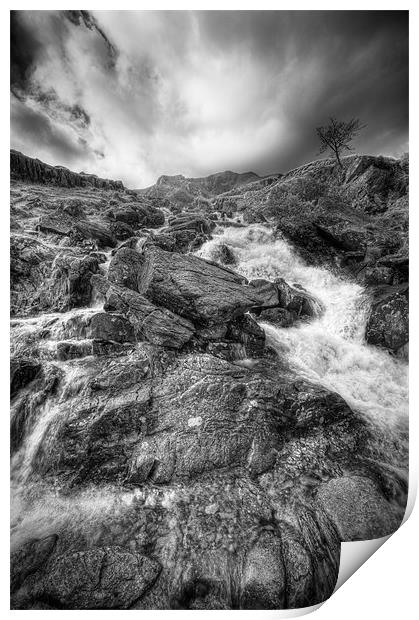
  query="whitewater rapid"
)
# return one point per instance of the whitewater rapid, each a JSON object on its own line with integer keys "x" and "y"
{"x": 331, "y": 350}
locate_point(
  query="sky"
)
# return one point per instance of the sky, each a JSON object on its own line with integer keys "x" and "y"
{"x": 132, "y": 95}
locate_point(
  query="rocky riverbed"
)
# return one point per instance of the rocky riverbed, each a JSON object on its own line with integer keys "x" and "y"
{"x": 208, "y": 383}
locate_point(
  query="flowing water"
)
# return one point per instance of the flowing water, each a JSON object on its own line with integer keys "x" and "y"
{"x": 330, "y": 350}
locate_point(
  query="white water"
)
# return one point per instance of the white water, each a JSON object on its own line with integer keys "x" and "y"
{"x": 330, "y": 350}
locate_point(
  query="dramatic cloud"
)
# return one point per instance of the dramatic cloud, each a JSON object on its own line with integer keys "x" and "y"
{"x": 133, "y": 95}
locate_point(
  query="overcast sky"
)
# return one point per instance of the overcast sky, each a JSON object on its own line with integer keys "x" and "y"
{"x": 133, "y": 95}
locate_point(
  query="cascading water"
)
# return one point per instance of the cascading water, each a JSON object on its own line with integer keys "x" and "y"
{"x": 330, "y": 350}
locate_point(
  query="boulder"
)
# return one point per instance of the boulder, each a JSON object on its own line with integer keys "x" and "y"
{"x": 263, "y": 581}
{"x": 247, "y": 332}
{"x": 191, "y": 221}
{"x": 22, "y": 371}
{"x": 93, "y": 231}
{"x": 125, "y": 268}
{"x": 99, "y": 578}
{"x": 358, "y": 509}
{"x": 74, "y": 207}
{"x": 297, "y": 300}
{"x": 278, "y": 316}
{"x": 305, "y": 405}
{"x": 70, "y": 285}
{"x": 198, "y": 290}
{"x": 57, "y": 224}
{"x": 267, "y": 291}
{"x": 110, "y": 326}
{"x": 388, "y": 323}
{"x": 343, "y": 235}
{"x": 222, "y": 253}
{"x": 121, "y": 230}
{"x": 125, "y": 215}
{"x": 157, "y": 325}
{"x": 179, "y": 241}
{"x": 29, "y": 559}
{"x": 149, "y": 216}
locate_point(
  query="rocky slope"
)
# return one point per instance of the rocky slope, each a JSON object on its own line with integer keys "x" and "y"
{"x": 167, "y": 451}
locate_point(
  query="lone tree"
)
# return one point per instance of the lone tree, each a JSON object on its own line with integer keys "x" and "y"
{"x": 338, "y": 135}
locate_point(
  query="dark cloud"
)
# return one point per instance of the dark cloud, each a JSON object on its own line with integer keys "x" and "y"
{"x": 143, "y": 93}
{"x": 25, "y": 47}
{"x": 85, "y": 18}
{"x": 42, "y": 135}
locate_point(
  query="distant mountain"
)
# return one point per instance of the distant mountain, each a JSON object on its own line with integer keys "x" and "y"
{"x": 217, "y": 183}
{"x": 26, "y": 168}
{"x": 185, "y": 192}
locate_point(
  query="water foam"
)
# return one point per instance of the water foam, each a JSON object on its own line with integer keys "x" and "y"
{"x": 331, "y": 350}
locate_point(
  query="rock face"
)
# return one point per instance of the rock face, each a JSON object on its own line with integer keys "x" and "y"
{"x": 25, "y": 168}
{"x": 166, "y": 453}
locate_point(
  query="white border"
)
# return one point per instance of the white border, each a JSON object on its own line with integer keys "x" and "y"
{"x": 386, "y": 585}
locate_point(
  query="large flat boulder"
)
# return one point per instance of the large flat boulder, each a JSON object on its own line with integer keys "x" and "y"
{"x": 198, "y": 290}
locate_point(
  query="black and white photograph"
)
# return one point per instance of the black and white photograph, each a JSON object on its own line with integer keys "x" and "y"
{"x": 209, "y": 303}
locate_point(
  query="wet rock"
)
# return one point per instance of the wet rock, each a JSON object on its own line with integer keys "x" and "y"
{"x": 157, "y": 325}
{"x": 311, "y": 406}
{"x": 267, "y": 291}
{"x": 25, "y": 407}
{"x": 246, "y": 331}
{"x": 224, "y": 254}
{"x": 185, "y": 233}
{"x": 93, "y": 231}
{"x": 70, "y": 285}
{"x": 388, "y": 323}
{"x": 191, "y": 221}
{"x": 297, "y": 300}
{"x": 263, "y": 581}
{"x": 22, "y": 371}
{"x": 67, "y": 350}
{"x": 57, "y": 224}
{"x": 30, "y": 268}
{"x": 343, "y": 236}
{"x": 126, "y": 215}
{"x": 378, "y": 275}
{"x": 358, "y": 508}
{"x": 74, "y": 207}
{"x": 179, "y": 241}
{"x": 121, "y": 230}
{"x": 125, "y": 268}
{"x": 29, "y": 559}
{"x": 99, "y": 578}
{"x": 194, "y": 288}
{"x": 278, "y": 316}
{"x": 110, "y": 326}
{"x": 149, "y": 217}
{"x": 99, "y": 256}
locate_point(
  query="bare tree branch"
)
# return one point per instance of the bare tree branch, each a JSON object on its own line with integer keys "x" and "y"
{"x": 338, "y": 135}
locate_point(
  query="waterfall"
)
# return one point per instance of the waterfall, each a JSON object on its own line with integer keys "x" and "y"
{"x": 330, "y": 350}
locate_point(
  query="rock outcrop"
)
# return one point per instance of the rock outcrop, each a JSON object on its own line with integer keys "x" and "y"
{"x": 32, "y": 170}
